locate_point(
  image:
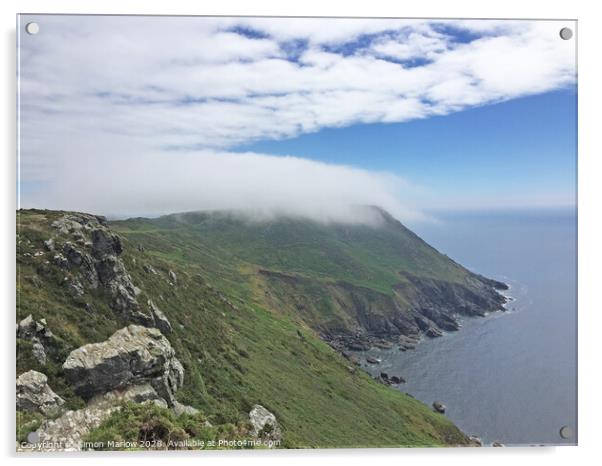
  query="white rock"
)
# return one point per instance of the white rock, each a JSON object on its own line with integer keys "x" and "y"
{"x": 265, "y": 424}
{"x": 34, "y": 394}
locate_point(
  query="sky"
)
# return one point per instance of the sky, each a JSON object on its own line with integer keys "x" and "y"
{"x": 128, "y": 116}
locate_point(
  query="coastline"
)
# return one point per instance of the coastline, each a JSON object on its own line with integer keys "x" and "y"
{"x": 432, "y": 321}
{"x": 376, "y": 362}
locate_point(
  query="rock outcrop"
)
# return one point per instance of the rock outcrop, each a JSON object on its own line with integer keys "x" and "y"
{"x": 38, "y": 352}
{"x": 134, "y": 355}
{"x": 407, "y": 343}
{"x": 38, "y": 333}
{"x": 160, "y": 320}
{"x": 92, "y": 253}
{"x": 135, "y": 364}
{"x": 29, "y": 328}
{"x": 34, "y": 394}
{"x": 264, "y": 424}
{"x": 67, "y": 432}
{"x": 390, "y": 379}
{"x": 92, "y": 256}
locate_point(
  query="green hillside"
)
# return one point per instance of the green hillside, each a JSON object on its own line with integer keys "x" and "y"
{"x": 250, "y": 309}
{"x": 338, "y": 279}
{"x": 365, "y": 255}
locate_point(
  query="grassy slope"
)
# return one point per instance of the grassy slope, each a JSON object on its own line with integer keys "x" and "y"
{"x": 362, "y": 255}
{"x": 324, "y": 259}
{"x": 235, "y": 350}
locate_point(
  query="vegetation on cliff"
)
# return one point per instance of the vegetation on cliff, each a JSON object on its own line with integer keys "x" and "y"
{"x": 251, "y": 310}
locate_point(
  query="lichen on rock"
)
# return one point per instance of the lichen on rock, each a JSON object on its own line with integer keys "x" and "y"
{"x": 34, "y": 394}
{"x": 131, "y": 356}
{"x": 91, "y": 254}
{"x": 38, "y": 333}
{"x": 264, "y": 424}
{"x": 160, "y": 320}
{"x": 66, "y": 433}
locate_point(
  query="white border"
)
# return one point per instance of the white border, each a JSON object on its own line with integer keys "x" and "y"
{"x": 590, "y": 234}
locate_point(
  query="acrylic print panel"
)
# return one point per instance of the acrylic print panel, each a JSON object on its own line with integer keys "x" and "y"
{"x": 295, "y": 233}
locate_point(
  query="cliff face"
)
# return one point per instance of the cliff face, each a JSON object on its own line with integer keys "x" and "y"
{"x": 362, "y": 317}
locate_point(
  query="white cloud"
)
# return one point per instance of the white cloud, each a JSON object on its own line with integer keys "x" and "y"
{"x": 149, "y": 185}
{"x": 318, "y": 30}
{"x": 102, "y": 93}
{"x": 415, "y": 45}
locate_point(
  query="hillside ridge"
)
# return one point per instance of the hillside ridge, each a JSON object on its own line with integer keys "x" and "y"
{"x": 353, "y": 284}
{"x": 230, "y": 359}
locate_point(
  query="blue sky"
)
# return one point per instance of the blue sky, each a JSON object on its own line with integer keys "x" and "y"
{"x": 307, "y": 116}
{"x": 526, "y": 145}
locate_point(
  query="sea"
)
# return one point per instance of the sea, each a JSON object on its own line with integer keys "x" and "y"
{"x": 509, "y": 377}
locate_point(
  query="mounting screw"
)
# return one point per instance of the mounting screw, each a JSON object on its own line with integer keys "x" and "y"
{"x": 32, "y": 28}
{"x": 33, "y": 437}
{"x": 566, "y": 432}
{"x": 566, "y": 33}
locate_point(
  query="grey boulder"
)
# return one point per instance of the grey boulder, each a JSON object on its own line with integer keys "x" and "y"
{"x": 66, "y": 433}
{"x": 179, "y": 409}
{"x": 264, "y": 423}
{"x": 439, "y": 407}
{"x": 134, "y": 355}
{"x": 38, "y": 351}
{"x": 38, "y": 333}
{"x": 34, "y": 394}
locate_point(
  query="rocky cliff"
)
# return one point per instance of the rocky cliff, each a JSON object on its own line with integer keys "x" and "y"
{"x": 417, "y": 307}
{"x": 137, "y": 364}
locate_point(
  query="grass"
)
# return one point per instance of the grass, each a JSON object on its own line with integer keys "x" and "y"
{"x": 239, "y": 347}
{"x": 147, "y": 426}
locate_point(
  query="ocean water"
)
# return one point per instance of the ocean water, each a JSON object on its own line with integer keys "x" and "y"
{"x": 509, "y": 377}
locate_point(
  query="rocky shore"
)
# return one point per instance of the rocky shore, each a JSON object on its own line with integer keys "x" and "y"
{"x": 435, "y": 309}
{"x": 435, "y": 312}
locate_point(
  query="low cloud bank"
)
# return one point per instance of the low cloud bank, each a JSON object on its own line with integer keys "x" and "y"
{"x": 260, "y": 185}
